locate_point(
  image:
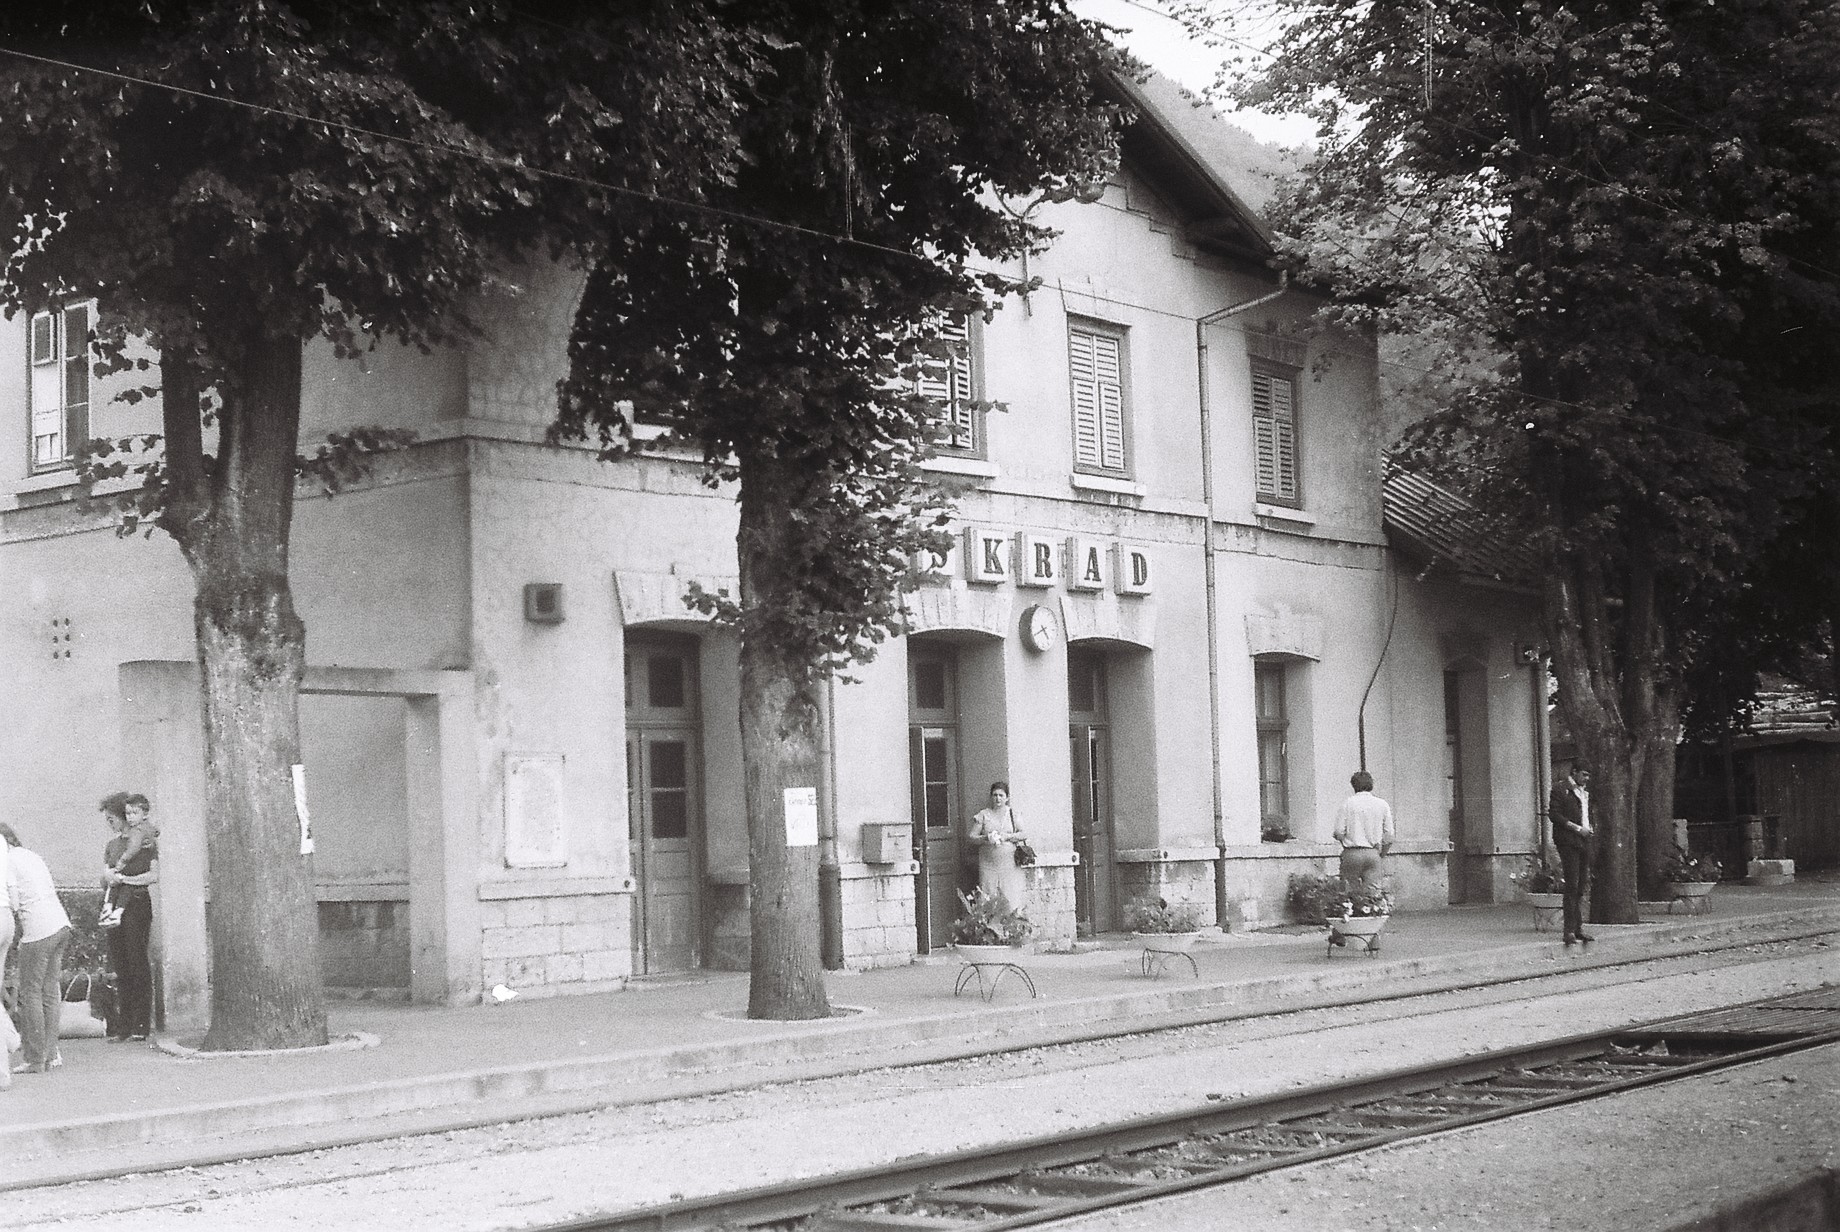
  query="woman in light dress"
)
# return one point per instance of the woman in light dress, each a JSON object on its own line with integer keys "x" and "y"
{"x": 995, "y": 834}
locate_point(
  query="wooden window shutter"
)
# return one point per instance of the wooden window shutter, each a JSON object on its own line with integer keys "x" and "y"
{"x": 1096, "y": 364}
{"x": 1274, "y": 436}
{"x": 952, "y": 383}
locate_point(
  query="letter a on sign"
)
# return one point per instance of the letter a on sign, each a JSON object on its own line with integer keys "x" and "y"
{"x": 1086, "y": 561}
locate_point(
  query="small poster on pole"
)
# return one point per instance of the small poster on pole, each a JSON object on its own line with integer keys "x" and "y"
{"x": 300, "y": 810}
{"x": 801, "y": 816}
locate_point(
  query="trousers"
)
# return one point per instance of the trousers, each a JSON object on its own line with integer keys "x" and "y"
{"x": 41, "y": 994}
{"x": 1361, "y": 868}
{"x": 1577, "y": 864}
{"x": 133, "y": 976}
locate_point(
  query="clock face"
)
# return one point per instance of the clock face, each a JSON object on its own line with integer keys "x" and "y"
{"x": 1039, "y": 629}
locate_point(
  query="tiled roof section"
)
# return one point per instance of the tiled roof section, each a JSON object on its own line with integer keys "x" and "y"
{"x": 1790, "y": 709}
{"x": 1446, "y": 529}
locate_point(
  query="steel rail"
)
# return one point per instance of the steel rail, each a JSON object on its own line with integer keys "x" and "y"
{"x": 1470, "y": 1091}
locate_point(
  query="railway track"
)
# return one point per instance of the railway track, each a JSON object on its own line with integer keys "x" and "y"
{"x": 1043, "y": 1180}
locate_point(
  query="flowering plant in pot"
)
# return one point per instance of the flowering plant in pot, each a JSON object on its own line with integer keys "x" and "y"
{"x": 1364, "y": 913}
{"x": 1362, "y": 903}
{"x": 1161, "y": 926}
{"x": 1689, "y": 878}
{"x": 989, "y": 924}
{"x": 1682, "y": 867}
{"x": 1542, "y": 874}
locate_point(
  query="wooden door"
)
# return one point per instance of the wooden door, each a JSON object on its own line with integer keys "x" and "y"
{"x": 1094, "y": 884}
{"x": 932, "y": 762}
{"x": 664, "y": 806}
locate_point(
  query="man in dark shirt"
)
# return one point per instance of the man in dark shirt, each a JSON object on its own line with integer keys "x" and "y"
{"x": 1576, "y": 839}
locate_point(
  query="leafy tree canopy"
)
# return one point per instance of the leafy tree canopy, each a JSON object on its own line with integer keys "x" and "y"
{"x": 1614, "y": 224}
{"x": 877, "y": 144}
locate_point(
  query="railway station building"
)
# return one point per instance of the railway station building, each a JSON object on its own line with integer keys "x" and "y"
{"x": 1185, "y": 602}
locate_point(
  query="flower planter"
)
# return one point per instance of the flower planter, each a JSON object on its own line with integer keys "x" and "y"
{"x": 1167, "y": 943}
{"x": 1361, "y": 929}
{"x": 1547, "y": 911}
{"x": 1693, "y": 895}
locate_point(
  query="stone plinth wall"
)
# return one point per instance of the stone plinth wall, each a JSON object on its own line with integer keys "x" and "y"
{"x": 1258, "y": 878}
{"x": 1050, "y": 902}
{"x": 731, "y": 930}
{"x": 878, "y": 915}
{"x": 557, "y": 943}
{"x": 365, "y": 944}
{"x": 1175, "y": 876}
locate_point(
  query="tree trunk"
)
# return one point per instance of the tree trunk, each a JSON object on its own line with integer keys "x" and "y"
{"x": 1655, "y": 795}
{"x": 233, "y": 526}
{"x": 1578, "y": 629}
{"x": 779, "y": 753}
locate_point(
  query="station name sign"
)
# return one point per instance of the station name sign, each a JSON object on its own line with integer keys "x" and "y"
{"x": 993, "y": 556}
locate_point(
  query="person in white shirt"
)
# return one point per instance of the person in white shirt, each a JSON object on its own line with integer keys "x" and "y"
{"x": 44, "y": 936}
{"x": 1364, "y": 828}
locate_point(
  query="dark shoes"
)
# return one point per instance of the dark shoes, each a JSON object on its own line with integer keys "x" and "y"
{"x": 1572, "y": 939}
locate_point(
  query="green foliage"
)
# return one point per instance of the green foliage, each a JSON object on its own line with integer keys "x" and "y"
{"x": 1143, "y": 915}
{"x": 1542, "y": 874}
{"x": 1612, "y": 231}
{"x": 1682, "y": 865}
{"x": 89, "y": 945}
{"x": 785, "y": 350}
{"x": 988, "y": 919}
{"x": 1314, "y": 897}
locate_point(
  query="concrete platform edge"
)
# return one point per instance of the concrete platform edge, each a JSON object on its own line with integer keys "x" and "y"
{"x": 46, "y": 1153}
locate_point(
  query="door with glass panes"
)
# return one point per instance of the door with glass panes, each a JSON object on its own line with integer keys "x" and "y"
{"x": 664, "y": 805}
{"x": 932, "y": 761}
{"x": 1094, "y": 890}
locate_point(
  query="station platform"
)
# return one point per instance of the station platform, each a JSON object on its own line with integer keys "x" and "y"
{"x": 115, "y": 1107}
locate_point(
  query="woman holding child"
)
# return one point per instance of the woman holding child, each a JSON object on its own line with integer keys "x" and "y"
{"x": 130, "y": 866}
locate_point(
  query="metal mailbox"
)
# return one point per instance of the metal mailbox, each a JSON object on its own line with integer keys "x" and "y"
{"x": 887, "y": 842}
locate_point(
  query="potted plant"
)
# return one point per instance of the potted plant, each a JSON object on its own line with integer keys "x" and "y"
{"x": 989, "y": 927}
{"x": 1689, "y": 878}
{"x": 1363, "y": 914}
{"x": 1156, "y": 925}
{"x": 1543, "y": 881}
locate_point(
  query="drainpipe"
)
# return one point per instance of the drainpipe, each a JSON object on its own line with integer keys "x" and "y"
{"x": 1211, "y": 581}
{"x": 830, "y": 873}
{"x": 1542, "y": 753}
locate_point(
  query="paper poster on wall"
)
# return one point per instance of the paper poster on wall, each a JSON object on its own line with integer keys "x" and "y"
{"x": 534, "y": 831}
{"x": 300, "y": 810}
{"x": 801, "y": 816}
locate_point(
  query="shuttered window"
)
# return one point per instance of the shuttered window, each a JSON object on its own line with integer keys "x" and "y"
{"x": 60, "y": 384}
{"x": 952, "y": 381}
{"x": 1274, "y": 436}
{"x": 1096, "y": 363}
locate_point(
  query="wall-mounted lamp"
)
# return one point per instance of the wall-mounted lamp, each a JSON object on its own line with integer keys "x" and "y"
{"x": 543, "y": 603}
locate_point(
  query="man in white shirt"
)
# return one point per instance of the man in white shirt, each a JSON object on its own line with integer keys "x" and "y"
{"x": 44, "y": 936}
{"x": 1364, "y": 828}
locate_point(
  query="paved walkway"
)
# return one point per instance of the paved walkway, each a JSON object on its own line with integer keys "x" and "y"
{"x": 119, "y": 1105}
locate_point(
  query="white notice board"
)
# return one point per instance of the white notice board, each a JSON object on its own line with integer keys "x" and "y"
{"x": 535, "y": 836}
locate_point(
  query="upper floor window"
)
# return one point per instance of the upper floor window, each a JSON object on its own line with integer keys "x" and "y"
{"x": 1096, "y": 363}
{"x": 954, "y": 381}
{"x": 1274, "y": 434}
{"x": 60, "y": 384}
